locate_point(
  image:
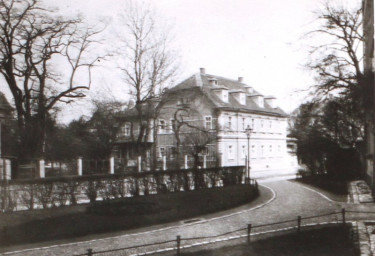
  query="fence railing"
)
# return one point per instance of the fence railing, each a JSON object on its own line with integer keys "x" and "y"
{"x": 60, "y": 191}
{"x": 248, "y": 230}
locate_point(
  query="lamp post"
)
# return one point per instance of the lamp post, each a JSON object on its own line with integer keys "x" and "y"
{"x": 248, "y": 132}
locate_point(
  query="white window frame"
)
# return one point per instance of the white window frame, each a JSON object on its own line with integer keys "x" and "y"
{"x": 206, "y": 122}
{"x": 230, "y": 152}
{"x": 161, "y": 151}
{"x": 125, "y": 130}
{"x": 270, "y": 150}
{"x": 253, "y": 151}
{"x": 162, "y": 127}
{"x": 225, "y": 96}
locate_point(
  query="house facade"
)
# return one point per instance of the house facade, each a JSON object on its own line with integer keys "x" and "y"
{"x": 213, "y": 113}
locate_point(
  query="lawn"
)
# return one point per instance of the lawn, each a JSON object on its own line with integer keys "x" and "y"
{"x": 325, "y": 241}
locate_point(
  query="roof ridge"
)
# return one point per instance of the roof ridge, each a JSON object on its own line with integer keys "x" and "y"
{"x": 226, "y": 78}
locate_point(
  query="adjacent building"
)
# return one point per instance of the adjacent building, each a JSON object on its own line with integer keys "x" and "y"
{"x": 369, "y": 68}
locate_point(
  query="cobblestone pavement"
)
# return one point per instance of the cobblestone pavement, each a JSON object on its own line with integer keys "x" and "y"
{"x": 290, "y": 200}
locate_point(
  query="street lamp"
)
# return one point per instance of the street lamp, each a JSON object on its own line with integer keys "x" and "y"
{"x": 248, "y": 132}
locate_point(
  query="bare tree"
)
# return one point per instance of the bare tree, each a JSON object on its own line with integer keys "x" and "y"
{"x": 337, "y": 59}
{"x": 37, "y": 51}
{"x": 149, "y": 65}
{"x": 335, "y": 120}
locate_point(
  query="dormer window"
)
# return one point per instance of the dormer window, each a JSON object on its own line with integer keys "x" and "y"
{"x": 221, "y": 92}
{"x": 239, "y": 95}
{"x": 212, "y": 81}
{"x": 242, "y": 99}
{"x": 259, "y": 100}
{"x": 249, "y": 89}
{"x": 225, "y": 95}
{"x": 271, "y": 101}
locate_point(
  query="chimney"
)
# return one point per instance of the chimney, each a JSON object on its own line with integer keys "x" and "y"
{"x": 203, "y": 71}
{"x": 240, "y": 79}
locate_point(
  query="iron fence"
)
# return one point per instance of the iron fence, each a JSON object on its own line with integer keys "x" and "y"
{"x": 55, "y": 191}
{"x": 248, "y": 230}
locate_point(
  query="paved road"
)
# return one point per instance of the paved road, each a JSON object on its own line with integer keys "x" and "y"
{"x": 289, "y": 201}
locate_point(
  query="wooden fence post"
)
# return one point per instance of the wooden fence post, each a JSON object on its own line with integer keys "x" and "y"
{"x": 89, "y": 252}
{"x": 343, "y": 217}
{"x": 248, "y": 232}
{"x": 178, "y": 245}
{"x": 299, "y": 223}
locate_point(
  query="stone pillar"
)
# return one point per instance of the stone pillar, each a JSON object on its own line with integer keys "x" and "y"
{"x": 112, "y": 165}
{"x": 139, "y": 163}
{"x": 42, "y": 169}
{"x": 2, "y": 169}
{"x": 164, "y": 163}
{"x": 79, "y": 166}
{"x": 186, "y": 162}
{"x": 204, "y": 161}
{"x": 8, "y": 169}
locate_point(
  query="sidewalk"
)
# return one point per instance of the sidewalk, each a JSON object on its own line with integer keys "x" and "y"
{"x": 360, "y": 193}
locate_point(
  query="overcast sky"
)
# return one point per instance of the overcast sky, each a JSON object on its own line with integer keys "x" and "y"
{"x": 259, "y": 40}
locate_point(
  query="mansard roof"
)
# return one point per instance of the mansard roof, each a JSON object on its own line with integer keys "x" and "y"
{"x": 201, "y": 81}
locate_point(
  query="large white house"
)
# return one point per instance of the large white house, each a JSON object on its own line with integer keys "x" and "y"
{"x": 226, "y": 108}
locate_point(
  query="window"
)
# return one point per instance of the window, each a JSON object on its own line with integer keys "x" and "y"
{"x": 270, "y": 148}
{"x": 225, "y": 96}
{"x": 270, "y": 124}
{"x": 230, "y": 123}
{"x": 252, "y": 124}
{"x": 204, "y": 151}
{"x": 208, "y": 122}
{"x": 261, "y": 123}
{"x": 126, "y": 130}
{"x": 242, "y": 99}
{"x": 183, "y": 101}
{"x": 161, "y": 151}
{"x": 243, "y": 123}
{"x": 230, "y": 152}
{"x": 253, "y": 151}
{"x": 162, "y": 126}
{"x": 262, "y": 151}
